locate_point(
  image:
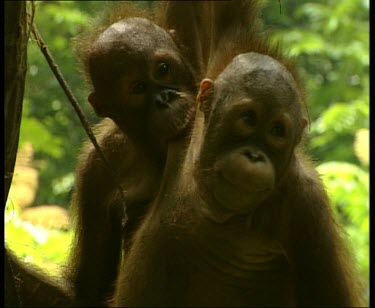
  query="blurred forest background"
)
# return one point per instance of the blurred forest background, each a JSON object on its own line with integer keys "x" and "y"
{"x": 330, "y": 41}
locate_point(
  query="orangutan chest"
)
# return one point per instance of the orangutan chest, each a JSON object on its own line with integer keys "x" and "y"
{"x": 189, "y": 260}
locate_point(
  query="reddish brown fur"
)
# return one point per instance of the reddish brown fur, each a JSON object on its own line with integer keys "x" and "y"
{"x": 131, "y": 141}
{"x": 185, "y": 253}
{"x": 284, "y": 249}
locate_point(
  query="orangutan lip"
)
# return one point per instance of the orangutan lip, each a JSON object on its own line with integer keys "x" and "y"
{"x": 222, "y": 177}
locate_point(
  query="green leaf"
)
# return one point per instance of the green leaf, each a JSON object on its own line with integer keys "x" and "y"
{"x": 35, "y": 132}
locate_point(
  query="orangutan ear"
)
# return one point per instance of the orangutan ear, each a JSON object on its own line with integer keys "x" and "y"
{"x": 172, "y": 33}
{"x": 204, "y": 97}
{"x": 98, "y": 106}
{"x": 303, "y": 124}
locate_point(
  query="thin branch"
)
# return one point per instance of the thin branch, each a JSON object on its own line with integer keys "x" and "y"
{"x": 79, "y": 112}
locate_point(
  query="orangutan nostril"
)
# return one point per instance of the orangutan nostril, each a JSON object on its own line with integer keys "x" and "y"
{"x": 254, "y": 156}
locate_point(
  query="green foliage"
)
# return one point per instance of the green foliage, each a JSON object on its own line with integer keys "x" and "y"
{"x": 330, "y": 42}
{"x": 46, "y": 248}
{"x": 335, "y": 129}
{"x": 48, "y": 120}
{"x": 43, "y": 141}
{"x": 348, "y": 188}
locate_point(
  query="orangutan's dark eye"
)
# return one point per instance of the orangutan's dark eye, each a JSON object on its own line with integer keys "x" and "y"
{"x": 250, "y": 118}
{"x": 162, "y": 69}
{"x": 278, "y": 130}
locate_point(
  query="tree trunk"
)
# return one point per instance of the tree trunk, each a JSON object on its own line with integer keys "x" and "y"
{"x": 15, "y": 71}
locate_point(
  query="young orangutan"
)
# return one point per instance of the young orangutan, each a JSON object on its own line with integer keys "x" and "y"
{"x": 147, "y": 91}
{"x": 146, "y": 85}
{"x": 242, "y": 219}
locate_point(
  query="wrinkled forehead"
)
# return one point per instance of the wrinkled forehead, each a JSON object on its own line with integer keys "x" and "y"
{"x": 256, "y": 77}
{"x": 133, "y": 35}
